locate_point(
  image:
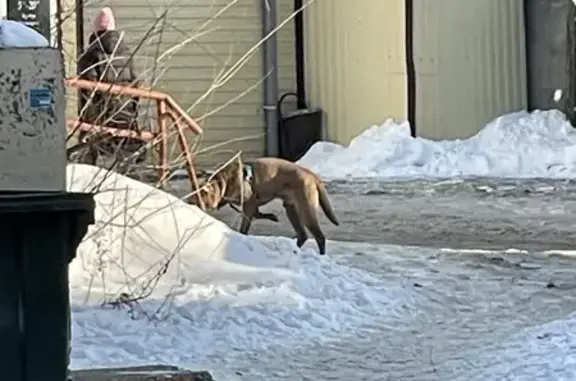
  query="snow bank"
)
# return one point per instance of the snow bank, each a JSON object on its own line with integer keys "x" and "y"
{"x": 16, "y": 34}
{"x": 545, "y": 352}
{"x": 516, "y": 145}
{"x": 219, "y": 292}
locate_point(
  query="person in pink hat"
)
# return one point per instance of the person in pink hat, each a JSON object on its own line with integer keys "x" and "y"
{"x": 108, "y": 59}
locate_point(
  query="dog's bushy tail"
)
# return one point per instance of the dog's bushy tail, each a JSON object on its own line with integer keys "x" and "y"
{"x": 325, "y": 203}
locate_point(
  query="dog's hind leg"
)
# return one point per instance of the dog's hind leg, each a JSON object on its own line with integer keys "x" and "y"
{"x": 306, "y": 205}
{"x": 311, "y": 222}
{"x": 306, "y": 200}
{"x": 294, "y": 219}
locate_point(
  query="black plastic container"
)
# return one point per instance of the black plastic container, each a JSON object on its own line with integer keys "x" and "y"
{"x": 40, "y": 234}
{"x": 298, "y": 130}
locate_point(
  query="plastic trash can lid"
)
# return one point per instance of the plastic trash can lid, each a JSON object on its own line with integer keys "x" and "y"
{"x": 25, "y": 202}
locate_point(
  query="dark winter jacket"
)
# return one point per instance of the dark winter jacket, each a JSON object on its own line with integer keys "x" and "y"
{"x": 108, "y": 59}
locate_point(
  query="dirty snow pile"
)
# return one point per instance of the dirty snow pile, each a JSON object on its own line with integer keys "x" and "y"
{"x": 516, "y": 145}
{"x": 204, "y": 293}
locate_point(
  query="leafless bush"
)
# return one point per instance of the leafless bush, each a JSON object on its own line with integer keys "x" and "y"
{"x": 120, "y": 215}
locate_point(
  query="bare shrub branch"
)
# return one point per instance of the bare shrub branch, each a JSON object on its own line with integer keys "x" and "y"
{"x": 122, "y": 217}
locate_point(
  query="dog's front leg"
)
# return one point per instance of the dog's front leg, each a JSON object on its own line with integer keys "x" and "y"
{"x": 249, "y": 210}
{"x": 245, "y": 225}
{"x": 259, "y": 215}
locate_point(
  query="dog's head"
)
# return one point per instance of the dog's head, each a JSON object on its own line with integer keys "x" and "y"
{"x": 210, "y": 191}
{"x": 238, "y": 192}
{"x": 227, "y": 184}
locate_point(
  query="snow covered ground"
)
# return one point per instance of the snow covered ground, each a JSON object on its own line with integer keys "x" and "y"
{"x": 209, "y": 293}
{"x": 159, "y": 281}
{"x": 518, "y": 145}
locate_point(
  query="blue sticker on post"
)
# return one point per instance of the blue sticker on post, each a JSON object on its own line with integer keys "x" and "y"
{"x": 40, "y": 97}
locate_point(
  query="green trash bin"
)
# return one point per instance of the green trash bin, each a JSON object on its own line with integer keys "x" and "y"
{"x": 39, "y": 235}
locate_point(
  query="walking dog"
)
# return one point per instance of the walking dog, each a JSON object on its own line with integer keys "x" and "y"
{"x": 256, "y": 183}
{"x": 221, "y": 189}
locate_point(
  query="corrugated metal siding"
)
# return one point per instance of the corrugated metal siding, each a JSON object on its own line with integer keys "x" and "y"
{"x": 190, "y": 71}
{"x": 355, "y": 63}
{"x": 470, "y": 64}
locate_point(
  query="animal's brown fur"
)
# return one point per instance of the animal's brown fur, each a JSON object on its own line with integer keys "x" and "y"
{"x": 300, "y": 189}
{"x": 227, "y": 188}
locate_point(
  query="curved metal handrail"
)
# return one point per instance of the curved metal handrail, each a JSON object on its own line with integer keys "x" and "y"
{"x": 166, "y": 107}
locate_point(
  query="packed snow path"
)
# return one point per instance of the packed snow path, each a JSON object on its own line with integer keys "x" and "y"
{"x": 488, "y": 214}
{"x": 471, "y": 316}
{"x": 500, "y": 213}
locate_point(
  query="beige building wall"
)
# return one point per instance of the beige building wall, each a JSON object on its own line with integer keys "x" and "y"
{"x": 355, "y": 63}
{"x": 195, "y": 54}
{"x": 470, "y": 64}
{"x": 286, "y": 53}
{"x": 68, "y": 27}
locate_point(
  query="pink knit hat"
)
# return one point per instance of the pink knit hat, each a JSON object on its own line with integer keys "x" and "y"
{"x": 104, "y": 20}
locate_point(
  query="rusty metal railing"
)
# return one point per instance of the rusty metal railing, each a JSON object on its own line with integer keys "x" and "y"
{"x": 166, "y": 107}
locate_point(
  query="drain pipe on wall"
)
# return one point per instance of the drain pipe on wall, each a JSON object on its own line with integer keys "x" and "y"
{"x": 299, "y": 54}
{"x": 270, "y": 74}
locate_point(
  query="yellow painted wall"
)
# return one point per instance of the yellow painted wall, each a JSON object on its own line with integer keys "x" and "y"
{"x": 470, "y": 63}
{"x": 355, "y": 63}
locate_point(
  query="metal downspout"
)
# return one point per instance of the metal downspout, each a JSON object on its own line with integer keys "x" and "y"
{"x": 299, "y": 54}
{"x": 270, "y": 74}
{"x": 410, "y": 65}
